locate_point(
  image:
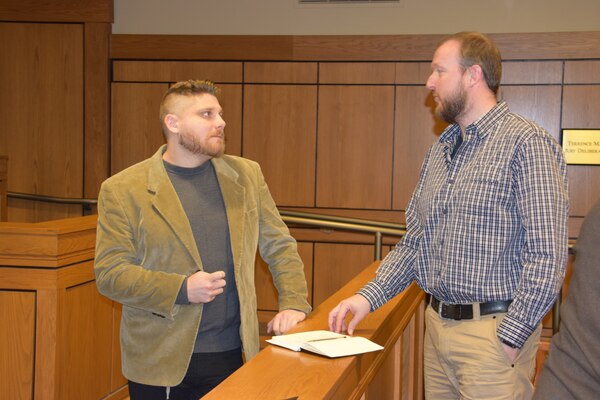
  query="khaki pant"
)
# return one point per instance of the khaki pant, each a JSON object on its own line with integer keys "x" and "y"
{"x": 465, "y": 360}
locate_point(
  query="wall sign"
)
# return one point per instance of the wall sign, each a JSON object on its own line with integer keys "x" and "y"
{"x": 581, "y": 146}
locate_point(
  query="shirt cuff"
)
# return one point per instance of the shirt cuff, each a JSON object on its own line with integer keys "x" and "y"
{"x": 374, "y": 294}
{"x": 182, "y": 296}
{"x": 514, "y": 332}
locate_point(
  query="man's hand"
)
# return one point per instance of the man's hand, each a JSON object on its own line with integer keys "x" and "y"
{"x": 203, "y": 287}
{"x": 357, "y": 305}
{"x": 284, "y": 321}
{"x": 510, "y": 352}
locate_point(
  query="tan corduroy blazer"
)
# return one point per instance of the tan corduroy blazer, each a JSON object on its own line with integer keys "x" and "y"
{"x": 145, "y": 248}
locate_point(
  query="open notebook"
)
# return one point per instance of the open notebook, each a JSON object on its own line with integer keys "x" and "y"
{"x": 326, "y": 343}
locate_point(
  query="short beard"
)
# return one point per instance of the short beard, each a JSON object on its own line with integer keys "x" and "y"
{"x": 454, "y": 106}
{"x": 198, "y": 148}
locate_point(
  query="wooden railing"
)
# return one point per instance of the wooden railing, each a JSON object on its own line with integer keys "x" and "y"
{"x": 394, "y": 373}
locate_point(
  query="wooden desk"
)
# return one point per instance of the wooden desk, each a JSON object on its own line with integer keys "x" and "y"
{"x": 394, "y": 373}
{"x": 59, "y": 336}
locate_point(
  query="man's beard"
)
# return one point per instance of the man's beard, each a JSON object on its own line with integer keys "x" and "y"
{"x": 451, "y": 108}
{"x": 195, "y": 146}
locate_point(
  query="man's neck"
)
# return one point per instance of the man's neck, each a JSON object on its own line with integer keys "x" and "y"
{"x": 183, "y": 158}
{"x": 475, "y": 111}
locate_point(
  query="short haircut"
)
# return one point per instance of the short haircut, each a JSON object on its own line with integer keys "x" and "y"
{"x": 188, "y": 88}
{"x": 478, "y": 49}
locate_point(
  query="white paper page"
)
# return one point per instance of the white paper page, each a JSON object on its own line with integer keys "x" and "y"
{"x": 345, "y": 346}
{"x": 294, "y": 341}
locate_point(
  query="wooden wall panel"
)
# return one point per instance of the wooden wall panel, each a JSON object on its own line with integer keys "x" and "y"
{"x": 265, "y": 290}
{"x": 86, "y": 368}
{"x": 3, "y": 188}
{"x": 580, "y": 110}
{"x": 355, "y": 146}
{"x": 280, "y": 72}
{"x": 415, "y": 73}
{"x": 280, "y": 134}
{"x": 513, "y": 46}
{"x": 582, "y": 71}
{"x": 96, "y": 159}
{"x": 17, "y": 337}
{"x": 136, "y": 131}
{"x": 335, "y": 265}
{"x": 357, "y": 73}
{"x": 57, "y": 10}
{"x": 538, "y": 103}
{"x": 175, "y": 71}
{"x": 230, "y": 99}
{"x": 41, "y": 122}
{"x": 532, "y": 72}
{"x": 416, "y": 129}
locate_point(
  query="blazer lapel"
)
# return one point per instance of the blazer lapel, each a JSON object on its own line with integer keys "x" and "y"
{"x": 234, "y": 197}
{"x": 167, "y": 204}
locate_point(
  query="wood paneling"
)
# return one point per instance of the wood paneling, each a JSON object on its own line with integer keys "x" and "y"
{"x": 96, "y": 159}
{"x": 359, "y": 73}
{"x": 3, "y": 188}
{"x": 355, "y": 146}
{"x": 175, "y": 71}
{"x": 280, "y": 72}
{"x": 532, "y": 72}
{"x": 57, "y": 10}
{"x": 280, "y": 134}
{"x": 336, "y": 265}
{"x": 412, "y": 73}
{"x": 538, "y": 103}
{"x": 580, "y": 110}
{"x": 202, "y": 47}
{"x": 17, "y": 311}
{"x": 86, "y": 367}
{"x": 48, "y": 244}
{"x": 582, "y": 71}
{"x": 136, "y": 131}
{"x": 513, "y": 46}
{"x": 265, "y": 289}
{"x": 70, "y": 322}
{"x": 41, "y": 122}
{"x": 230, "y": 99}
{"x": 416, "y": 129}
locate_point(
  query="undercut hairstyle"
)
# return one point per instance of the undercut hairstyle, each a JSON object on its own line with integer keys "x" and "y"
{"x": 478, "y": 49}
{"x": 188, "y": 88}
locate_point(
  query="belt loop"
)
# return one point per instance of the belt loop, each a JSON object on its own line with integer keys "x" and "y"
{"x": 476, "y": 312}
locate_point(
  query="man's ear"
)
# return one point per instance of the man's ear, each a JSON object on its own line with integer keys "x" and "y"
{"x": 172, "y": 122}
{"x": 475, "y": 74}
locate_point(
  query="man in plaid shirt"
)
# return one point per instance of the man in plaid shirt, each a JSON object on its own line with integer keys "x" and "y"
{"x": 486, "y": 234}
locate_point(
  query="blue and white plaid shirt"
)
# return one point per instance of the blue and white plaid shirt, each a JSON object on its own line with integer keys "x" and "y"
{"x": 489, "y": 224}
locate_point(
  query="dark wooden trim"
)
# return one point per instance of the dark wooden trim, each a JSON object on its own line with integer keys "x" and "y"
{"x": 56, "y": 10}
{"x": 97, "y": 107}
{"x": 201, "y": 47}
{"x": 514, "y": 46}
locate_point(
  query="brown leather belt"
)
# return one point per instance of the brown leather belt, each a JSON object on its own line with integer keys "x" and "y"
{"x": 465, "y": 311}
